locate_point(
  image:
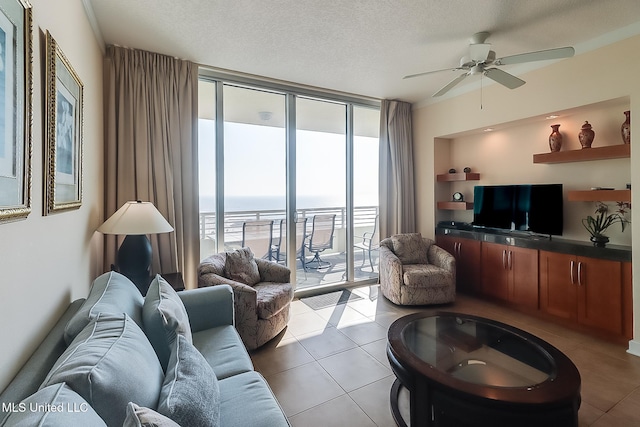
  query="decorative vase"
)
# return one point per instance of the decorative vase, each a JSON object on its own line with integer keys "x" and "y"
{"x": 586, "y": 135}
{"x": 599, "y": 240}
{"x": 625, "y": 130}
{"x": 555, "y": 139}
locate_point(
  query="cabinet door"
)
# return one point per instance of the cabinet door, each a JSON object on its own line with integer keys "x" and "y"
{"x": 523, "y": 276}
{"x": 600, "y": 294}
{"x": 558, "y": 284}
{"x": 467, "y": 254}
{"x": 494, "y": 270}
{"x": 468, "y": 269}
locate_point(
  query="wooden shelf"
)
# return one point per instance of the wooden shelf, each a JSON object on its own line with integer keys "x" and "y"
{"x": 456, "y": 206}
{"x": 600, "y": 195}
{"x": 460, "y": 176}
{"x": 596, "y": 153}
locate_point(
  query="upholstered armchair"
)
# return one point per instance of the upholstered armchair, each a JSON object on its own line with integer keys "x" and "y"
{"x": 414, "y": 271}
{"x": 262, "y": 292}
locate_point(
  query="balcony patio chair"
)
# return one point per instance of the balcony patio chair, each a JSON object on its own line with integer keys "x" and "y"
{"x": 320, "y": 239}
{"x": 279, "y": 247}
{"x": 257, "y": 235}
{"x": 370, "y": 242}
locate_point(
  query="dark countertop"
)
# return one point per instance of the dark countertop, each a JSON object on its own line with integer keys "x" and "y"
{"x": 544, "y": 243}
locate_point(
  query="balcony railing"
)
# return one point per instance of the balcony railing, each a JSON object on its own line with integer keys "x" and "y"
{"x": 363, "y": 216}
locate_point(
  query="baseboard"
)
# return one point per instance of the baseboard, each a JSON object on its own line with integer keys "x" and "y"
{"x": 634, "y": 348}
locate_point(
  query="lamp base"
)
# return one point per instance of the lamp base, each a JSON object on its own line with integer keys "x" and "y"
{"x": 134, "y": 259}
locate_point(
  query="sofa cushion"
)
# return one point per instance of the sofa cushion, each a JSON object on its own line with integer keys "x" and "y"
{"x": 223, "y": 350}
{"x": 164, "y": 316}
{"x": 238, "y": 409}
{"x": 241, "y": 267}
{"x": 426, "y": 276}
{"x": 139, "y": 416}
{"x": 56, "y": 405}
{"x": 190, "y": 395}
{"x": 271, "y": 298}
{"x": 110, "y": 363}
{"x": 110, "y": 293}
{"x": 410, "y": 248}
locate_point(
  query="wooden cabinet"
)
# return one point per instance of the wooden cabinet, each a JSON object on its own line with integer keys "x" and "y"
{"x": 510, "y": 273}
{"x": 467, "y": 254}
{"x": 586, "y": 290}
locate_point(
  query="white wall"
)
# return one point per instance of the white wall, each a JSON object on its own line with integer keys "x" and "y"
{"x": 599, "y": 76}
{"x": 45, "y": 262}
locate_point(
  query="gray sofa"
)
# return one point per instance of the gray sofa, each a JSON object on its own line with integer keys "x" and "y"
{"x": 233, "y": 393}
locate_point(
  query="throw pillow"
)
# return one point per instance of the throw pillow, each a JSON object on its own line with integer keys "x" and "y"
{"x": 138, "y": 416}
{"x": 110, "y": 293}
{"x": 410, "y": 248}
{"x": 109, "y": 364}
{"x": 241, "y": 267}
{"x": 164, "y": 316}
{"x": 54, "y": 406}
{"x": 190, "y": 394}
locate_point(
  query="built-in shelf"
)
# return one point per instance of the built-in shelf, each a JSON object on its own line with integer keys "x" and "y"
{"x": 595, "y": 153}
{"x": 459, "y": 176}
{"x": 456, "y": 206}
{"x": 600, "y": 196}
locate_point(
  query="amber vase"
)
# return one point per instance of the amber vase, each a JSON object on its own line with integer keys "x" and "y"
{"x": 586, "y": 135}
{"x": 625, "y": 130}
{"x": 555, "y": 139}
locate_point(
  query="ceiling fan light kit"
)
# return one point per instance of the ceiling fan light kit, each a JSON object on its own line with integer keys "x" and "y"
{"x": 481, "y": 58}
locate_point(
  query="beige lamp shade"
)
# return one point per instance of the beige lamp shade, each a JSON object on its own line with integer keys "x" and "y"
{"x": 135, "y": 218}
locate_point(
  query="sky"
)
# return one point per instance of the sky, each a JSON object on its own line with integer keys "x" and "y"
{"x": 255, "y": 166}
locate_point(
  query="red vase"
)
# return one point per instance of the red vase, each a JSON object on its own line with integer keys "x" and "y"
{"x": 625, "y": 130}
{"x": 555, "y": 139}
{"x": 586, "y": 135}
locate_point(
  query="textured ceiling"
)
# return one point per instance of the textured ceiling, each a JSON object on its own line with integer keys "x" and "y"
{"x": 361, "y": 47}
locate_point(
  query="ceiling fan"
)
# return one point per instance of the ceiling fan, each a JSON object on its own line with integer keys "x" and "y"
{"x": 482, "y": 60}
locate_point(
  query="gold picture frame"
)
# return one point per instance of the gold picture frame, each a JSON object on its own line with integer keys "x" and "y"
{"x": 16, "y": 113}
{"x": 64, "y": 137}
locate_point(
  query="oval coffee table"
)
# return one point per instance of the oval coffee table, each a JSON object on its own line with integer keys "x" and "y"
{"x": 463, "y": 370}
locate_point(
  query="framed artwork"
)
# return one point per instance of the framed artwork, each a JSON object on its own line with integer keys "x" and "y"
{"x": 16, "y": 116}
{"x": 63, "y": 177}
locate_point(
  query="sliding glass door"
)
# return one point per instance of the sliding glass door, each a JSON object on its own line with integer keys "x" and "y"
{"x": 274, "y": 162}
{"x": 321, "y": 188}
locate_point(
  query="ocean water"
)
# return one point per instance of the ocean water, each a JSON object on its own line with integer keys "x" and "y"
{"x": 266, "y": 203}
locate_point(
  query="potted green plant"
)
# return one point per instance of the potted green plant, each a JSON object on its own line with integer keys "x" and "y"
{"x": 603, "y": 219}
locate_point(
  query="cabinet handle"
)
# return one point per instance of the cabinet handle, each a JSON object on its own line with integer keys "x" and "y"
{"x": 457, "y": 248}
{"x": 509, "y": 260}
{"x": 504, "y": 259}
{"x": 573, "y": 281}
{"x": 580, "y": 273}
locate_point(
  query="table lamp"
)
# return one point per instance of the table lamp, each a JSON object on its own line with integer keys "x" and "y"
{"x": 136, "y": 219}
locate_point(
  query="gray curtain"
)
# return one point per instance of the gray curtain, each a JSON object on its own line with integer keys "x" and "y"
{"x": 151, "y": 114}
{"x": 397, "y": 198}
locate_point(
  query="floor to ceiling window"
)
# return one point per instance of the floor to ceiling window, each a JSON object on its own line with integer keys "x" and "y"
{"x": 263, "y": 146}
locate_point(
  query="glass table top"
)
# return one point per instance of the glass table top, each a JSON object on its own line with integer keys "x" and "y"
{"x": 478, "y": 352}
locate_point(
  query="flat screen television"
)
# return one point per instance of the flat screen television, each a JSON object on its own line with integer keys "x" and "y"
{"x": 535, "y": 208}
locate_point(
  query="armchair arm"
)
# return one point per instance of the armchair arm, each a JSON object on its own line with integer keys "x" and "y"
{"x": 441, "y": 258}
{"x": 273, "y": 272}
{"x": 243, "y": 295}
{"x": 390, "y": 268}
{"x": 208, "y": 307}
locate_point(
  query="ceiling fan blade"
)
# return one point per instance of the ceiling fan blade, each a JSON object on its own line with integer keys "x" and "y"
{"x": 504, "y": 78}
{"x": 479, "y": 52}
{"x": 410, "y": 76}
{"x": 450, "y": 85}
{"x": 561, "y": 52}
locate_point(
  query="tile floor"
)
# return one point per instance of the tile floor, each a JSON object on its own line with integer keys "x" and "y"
{"x": 329, "y": 367}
